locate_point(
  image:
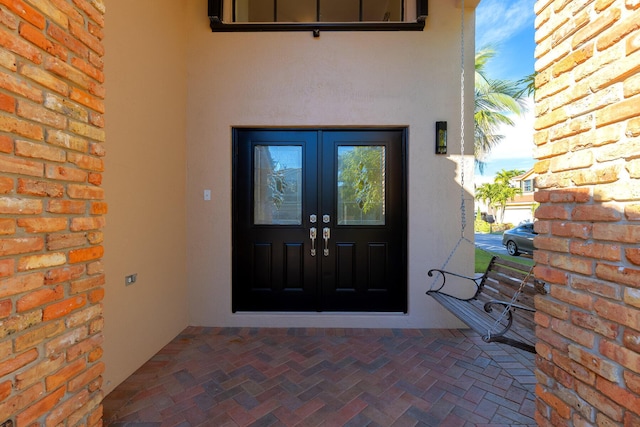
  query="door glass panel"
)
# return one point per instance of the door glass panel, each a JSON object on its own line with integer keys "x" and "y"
{"x": 382, "y": 10}
{"x": 340, "y": 11}
{"x": 361, "y": 185}
{"x": 296, "y": 11}
{"x": 277, "y": 178}
{"x": 254, "y": 10}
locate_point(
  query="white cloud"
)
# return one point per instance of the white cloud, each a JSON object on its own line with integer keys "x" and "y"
{"x": 499, "y": 20}
{"x": 518, "y": 140}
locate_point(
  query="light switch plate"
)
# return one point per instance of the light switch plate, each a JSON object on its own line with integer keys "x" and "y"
{"x": 207, "y": 194}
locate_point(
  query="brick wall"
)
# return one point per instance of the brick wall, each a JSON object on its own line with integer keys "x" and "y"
{"x": 51, "y": 211}
{"x": 588, "y": 151}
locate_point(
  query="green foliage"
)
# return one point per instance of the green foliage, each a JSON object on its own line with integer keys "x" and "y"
{"x": 495, "y": 100}
{"x": 360, "y": 173}
{"x": 497, "y": 194}
{"x": 483, "y": 258}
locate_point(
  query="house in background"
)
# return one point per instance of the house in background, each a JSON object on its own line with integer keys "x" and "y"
{"x": 522, "y": 207}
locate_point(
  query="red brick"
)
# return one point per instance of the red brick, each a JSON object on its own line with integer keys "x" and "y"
{"x": 95, "y": 267}
{"x": 617, "y": 232}
{"x": 39, "y": 151}
{"x": 19, "y": 323}
{"x": 596, "y": 324}
{"x": 576, "y": 334}
{"x": 5, "y": 308}
{"x": 96, "y": 295}
{"x": 44, "y": 367}
{"x": 66, "y": 71}
{"x": 84, "y": 285}
{"x": 20, "y": 245}
{"x": 93, "y": 13}
{"x": 86, "y": 224}
{"x": 34, "y": 262}
{"x": 60, "y": 343}
{"x": 20, "y": 87}
{"x": 25, "y": 11}
{"x": 5, "y": 390}
{"x": 37, "y": 37}
{"x": 63, "y": 274}
{"x": 42, "y": 225}
{"x": 7, "y": 103}
{"x": 67, "y": 372}
{"x": 39, "y": 298}
{"x": 594, "y": 363}
{"x": 7, "y": 226}
{"x": 95, "y": 237}
{"x": 550, "y": 275}
{"x": 17, "y": 45}
{"x": 83, "y": 316}
{"x": 598, "y": 213}
{"x": 68, "y": 41}
{"x": 20, "y": 284}
{"x": 552, "y": 212}
{"x": 88, "y": 69}
{"x": 633, "y": 255}
{"x": 76, "y": 191}
{"x": 98, "y": 208}
{"x": 95, "y": 179}
{"x": 573, "y": 264}
{"x": 602, "y": 251}
{"x": 71, "y": 207}
{"x": 596, "y": 287}
{"x": 554, "y": 402}
{"x": 599, "y": 401}
{"x": 64, "y": 173}
{"x": 21, "y": 166}
{"x": 95, "y": 354}
{"x": 16, "y": 403}
{"x": 631, "y": 340}
{"x": 33, "y": 187}
{"x": 44, "y": 78}
{"x": 6, "y": 144}
{"x": 84, "y": 347}
{"x": 11, "y": 365}
{"x": 570, "y": 195}
{"x": 86, "y": 162}
{"x": 65, "y": 240}
{"x": 62, "y": 412}
{"x": 36, "y": 335}
{"x": 63, "y": 308}
{"x": 621, "y": 355}
{"x": 618, "y": 274}
{"x": 85, "y": 254}
{"x": 87, "y": 38}
{"x": 38, "y": 409}
{"x": 619, "y": 313}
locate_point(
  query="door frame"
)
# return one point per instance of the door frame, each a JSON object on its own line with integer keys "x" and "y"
{"x": 402, "y": 273}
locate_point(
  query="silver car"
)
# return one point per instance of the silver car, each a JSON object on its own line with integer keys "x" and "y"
{"x": 519, "y": 239}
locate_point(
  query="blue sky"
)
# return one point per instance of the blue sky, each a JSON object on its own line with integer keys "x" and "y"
{"x": 508, "y": 26}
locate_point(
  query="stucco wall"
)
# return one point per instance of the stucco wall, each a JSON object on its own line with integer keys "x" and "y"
{"x": 145, "y": 181}
{"x": 339, "y": 79}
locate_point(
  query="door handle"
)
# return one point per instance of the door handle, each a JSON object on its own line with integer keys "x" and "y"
{"x": 326, "y": 234}
{"x": 313, "y": 233}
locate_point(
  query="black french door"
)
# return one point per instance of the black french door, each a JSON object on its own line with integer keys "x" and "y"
{"x": 319, "y": 220}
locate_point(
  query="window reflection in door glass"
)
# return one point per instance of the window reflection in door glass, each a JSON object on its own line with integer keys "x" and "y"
{"x": 277, "y": 178}
{"x": 361, "y": 185}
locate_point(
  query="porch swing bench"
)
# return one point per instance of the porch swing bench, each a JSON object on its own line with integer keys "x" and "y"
{"x": 501, "y": 308}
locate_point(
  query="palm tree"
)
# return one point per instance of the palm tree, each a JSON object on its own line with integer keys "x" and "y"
{"x": 497, "y": 194}
{"x": 495, "y": 100}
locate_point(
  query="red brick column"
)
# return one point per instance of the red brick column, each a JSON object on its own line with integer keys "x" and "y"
{"x": 51, "y": 211}
{"x": 588, "y": 151}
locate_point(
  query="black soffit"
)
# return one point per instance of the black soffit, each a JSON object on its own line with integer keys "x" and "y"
{"x": 217, "y": 25}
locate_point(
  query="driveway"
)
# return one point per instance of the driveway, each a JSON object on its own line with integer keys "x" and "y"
{"x": 490, "y": 242}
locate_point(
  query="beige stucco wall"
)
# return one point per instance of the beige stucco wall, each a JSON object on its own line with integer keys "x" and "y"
{"x": 339, "y": 79}
{"x": 144, "y": 181}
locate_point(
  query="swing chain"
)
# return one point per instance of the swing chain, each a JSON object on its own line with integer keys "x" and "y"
{"x": 509, "y": 305}
{"x": 463, "y": 212}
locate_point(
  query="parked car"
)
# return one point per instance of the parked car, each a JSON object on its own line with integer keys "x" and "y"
{"x": 519, "y": 239}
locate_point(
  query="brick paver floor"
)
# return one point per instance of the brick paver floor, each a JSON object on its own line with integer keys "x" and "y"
{"x": 327, "y": 377}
